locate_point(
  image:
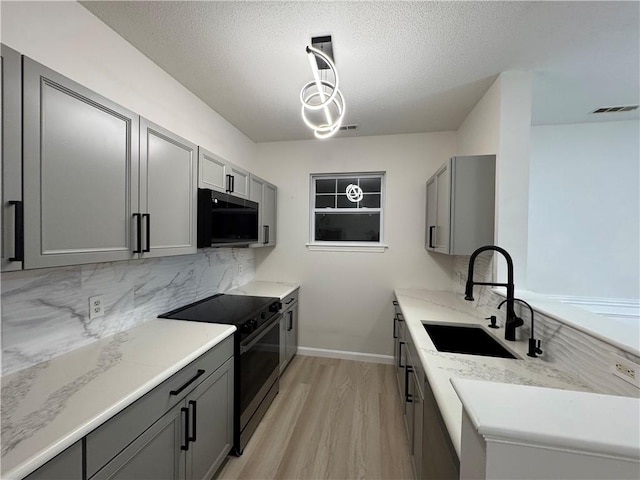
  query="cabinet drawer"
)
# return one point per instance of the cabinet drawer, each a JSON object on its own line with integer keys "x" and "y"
{"x": 289, "y": 300}
{"x": 108, "y": 440}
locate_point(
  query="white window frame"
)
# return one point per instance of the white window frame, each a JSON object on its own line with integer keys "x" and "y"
{"x": 319, "y": 245}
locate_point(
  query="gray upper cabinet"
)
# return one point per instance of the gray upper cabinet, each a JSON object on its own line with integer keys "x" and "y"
{"x": 460, "y": 205}
{"x": 80, "y": 160}
{"x": 220, "y": 175}
{"x": 11, "y": 108}
{"x": 168, "y": 192}
{"x": 265, "y": 194}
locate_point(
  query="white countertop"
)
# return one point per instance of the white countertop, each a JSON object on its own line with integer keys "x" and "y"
{"x": 554, "y": 418}
{"x": 440, "y": 367}
{"x": 50, "y": 406}
{"x": 265, "y": 289}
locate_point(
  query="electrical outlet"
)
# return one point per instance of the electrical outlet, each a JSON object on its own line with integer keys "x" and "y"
{"x": 96, "y": 306}
{"x": 626, "y": 369}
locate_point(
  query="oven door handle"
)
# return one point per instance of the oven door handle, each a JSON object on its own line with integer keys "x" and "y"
{"x": 244, "y": 347}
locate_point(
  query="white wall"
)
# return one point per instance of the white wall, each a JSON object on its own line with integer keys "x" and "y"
{"x": 500, "y": 124}
{"x": 68, "y": 38}
{"x": 346, "y": 297}
{"x": 585, "y": 209}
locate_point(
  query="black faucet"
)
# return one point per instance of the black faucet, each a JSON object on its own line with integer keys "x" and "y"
{"x": 534, "y": 345}
{"x": 513, "y": 321}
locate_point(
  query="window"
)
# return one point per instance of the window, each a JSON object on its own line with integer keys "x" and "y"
{"x": 347, "y": 209}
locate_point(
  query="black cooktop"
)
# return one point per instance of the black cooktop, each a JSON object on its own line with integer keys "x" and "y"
{"x": 221, "y": 308}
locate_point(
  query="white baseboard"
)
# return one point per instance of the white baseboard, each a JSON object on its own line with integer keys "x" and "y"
{"x": 344, "y": 355}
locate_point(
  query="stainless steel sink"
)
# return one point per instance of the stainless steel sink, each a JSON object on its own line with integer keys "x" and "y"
{"x": 467, "y": 338}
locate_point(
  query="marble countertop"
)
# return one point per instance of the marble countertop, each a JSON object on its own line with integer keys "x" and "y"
{"x": 48, "y": 407}
{"x": 446, "y": 307}
{"x": 265, "y": 289}
{"x": 613, "y": 427}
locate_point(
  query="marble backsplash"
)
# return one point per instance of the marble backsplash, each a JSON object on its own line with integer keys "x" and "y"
{"x": 45, "y": 312}
{"x": 587, "y": 357}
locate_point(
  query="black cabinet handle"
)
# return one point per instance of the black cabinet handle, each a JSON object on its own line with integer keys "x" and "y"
{"x": 431, "y": 236}
{"x": 400, "y": 344}
{"x": 395, "y": 334}
{"x": 231, "y": 183}
{"x": 400, "y": 317}
{"x": 290, "y": 321}
{"x": 18, "y": 232}
{"x": 266, "y": 234}
{"x": 138, "y": 218}
{"x": 148, "y": 217}
{"x": 408, "y": 397}
{"x": 186, "y": 428}
{"x": 192, "y": 403}
{"x": 395, "y": 303}
{"x": 189, "y": 382}
{"x": 289, "y": 301}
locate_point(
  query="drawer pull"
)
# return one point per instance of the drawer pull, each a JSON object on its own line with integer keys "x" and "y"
{"x": 18, "y": 232}
{"x": 193, "y": 379}
{"x": 192, "y": 403}
{"x": 186, "y": 428}
{"x": 290, "y": 300}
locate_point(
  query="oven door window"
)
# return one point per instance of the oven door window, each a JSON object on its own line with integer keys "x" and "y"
{"x": 257, "y": 365}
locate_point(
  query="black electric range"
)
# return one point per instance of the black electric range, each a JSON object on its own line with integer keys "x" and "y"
{"x": 256, "y": 352}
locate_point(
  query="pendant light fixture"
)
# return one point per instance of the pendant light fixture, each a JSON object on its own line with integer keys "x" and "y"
{"x": 323, "y": 105}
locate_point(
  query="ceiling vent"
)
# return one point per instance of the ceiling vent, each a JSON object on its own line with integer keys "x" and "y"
{"x": 624, "y": 108}
{"x": 349, "y": 127}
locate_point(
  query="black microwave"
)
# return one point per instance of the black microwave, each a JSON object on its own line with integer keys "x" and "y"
{"x": 224, "y": 219}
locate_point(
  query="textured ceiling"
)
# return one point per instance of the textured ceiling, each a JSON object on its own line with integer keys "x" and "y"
{"x": 404, "y": 67}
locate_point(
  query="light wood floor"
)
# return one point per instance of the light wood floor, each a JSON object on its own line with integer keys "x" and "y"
{"x": 333, "y": 419}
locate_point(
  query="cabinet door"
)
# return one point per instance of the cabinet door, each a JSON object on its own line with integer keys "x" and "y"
{"x": 65, "y": 466}
{"x": 439, "y": 458}
{"x": 168, "y": 192}
{"x": 269, "y": 204}
{"x": 292, "y": 331}
{"x": 284, "y": 321}
{"x": 211, "y": 423}
{"x": 80, "y": 172}
{"x": 256, "y": 186}
{"x": 157, "y": 454}
{"x": 239, "y": 181}
{"x": 431, "y": 213}
{"x": 11, "y": 108}
{"x": 212, "y": 171}
{"x": 443, "y": 211}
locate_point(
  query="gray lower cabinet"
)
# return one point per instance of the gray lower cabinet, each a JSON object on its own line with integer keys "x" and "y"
{"x": 265, "y": 194}
{"x": 414, "y": 404}
{"x": 65, "y": 466}
{"x": 80, "y": 160}
{"x": 11, "y": 210}
{"x": 288, "y": 330}
{"x": 433, "y": 456}
{"x": 168, "y": 192}
{"x": 439, "y": 458}
{"x": 399, "y": 342}
{"x": 183, "y": 429}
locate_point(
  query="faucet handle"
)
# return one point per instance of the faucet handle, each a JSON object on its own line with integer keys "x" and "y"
{"x": 493, "y": 321}
{"x": 534, "y": 348}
